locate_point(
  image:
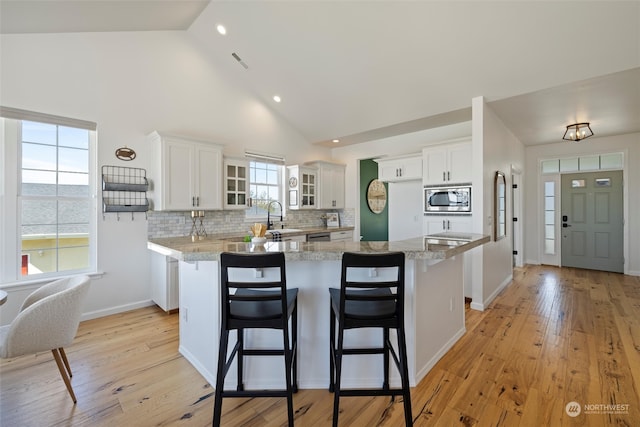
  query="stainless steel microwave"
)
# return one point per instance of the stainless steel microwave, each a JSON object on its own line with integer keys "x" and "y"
{"x": 450, "y": 199}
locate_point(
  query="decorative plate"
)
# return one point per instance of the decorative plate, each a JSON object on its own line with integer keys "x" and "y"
{"x": 376, "y": 196}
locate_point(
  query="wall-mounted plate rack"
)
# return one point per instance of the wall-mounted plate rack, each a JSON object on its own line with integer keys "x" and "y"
{"x": 124, "y": 189}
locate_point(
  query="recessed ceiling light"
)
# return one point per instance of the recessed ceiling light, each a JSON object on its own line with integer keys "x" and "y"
{"x": 221, "y": 29}
{"x": 276, "y": 98}
{"x": 335, "y": 141}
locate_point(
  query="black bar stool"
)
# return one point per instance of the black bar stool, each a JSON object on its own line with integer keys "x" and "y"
{"x": 248, "y": 304}
{"x": 368, "y": 304}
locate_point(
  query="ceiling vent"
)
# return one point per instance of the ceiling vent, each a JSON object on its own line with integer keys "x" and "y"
{"x": 237, "y": 58}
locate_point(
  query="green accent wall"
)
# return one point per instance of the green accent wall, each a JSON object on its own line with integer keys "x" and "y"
{"x": 373, "y": 227}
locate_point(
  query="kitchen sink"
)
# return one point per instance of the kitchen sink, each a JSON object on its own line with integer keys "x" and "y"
{"x": 451, "y": 236}
{"x": 438, "y": 241}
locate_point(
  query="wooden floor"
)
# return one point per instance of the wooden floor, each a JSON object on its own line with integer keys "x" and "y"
{"x": 553, "y": 336}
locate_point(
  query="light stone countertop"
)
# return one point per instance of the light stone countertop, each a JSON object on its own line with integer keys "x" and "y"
{"x": 210, "y": 248}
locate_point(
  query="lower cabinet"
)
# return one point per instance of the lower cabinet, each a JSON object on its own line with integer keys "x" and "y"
{"x": 439, "y": 224}
{"x": 164, "y": 281}
{"x": 344, "y": 236}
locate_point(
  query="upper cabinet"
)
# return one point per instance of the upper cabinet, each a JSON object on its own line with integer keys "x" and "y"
{"x": 403, "y": 168}
{"x": 447, "y": 164}
{"x": 330, "y": 184}
{"x": 302, "y": 187}
{"x": 236, "y": 183}
{"x": 186, "y": 174}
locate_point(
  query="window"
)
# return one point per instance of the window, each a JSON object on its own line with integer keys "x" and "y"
{"x": 265, "y": 187}
{"x": 49, "y": 204}
{"x": 54, "y": 198}
{"x": 549, "y": 218}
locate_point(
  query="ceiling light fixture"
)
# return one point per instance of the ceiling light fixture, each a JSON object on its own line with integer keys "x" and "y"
{"x": 221, "y": 29}
{"x": 276, "y": 98}
{"x": 335, "y": 141}
{"x": 577, "y": 132}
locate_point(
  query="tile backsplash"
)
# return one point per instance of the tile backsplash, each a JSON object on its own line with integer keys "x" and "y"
{"x": 175, "y": 224}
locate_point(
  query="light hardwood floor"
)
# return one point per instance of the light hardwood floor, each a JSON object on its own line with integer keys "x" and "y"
{"x": 551, "y": 337}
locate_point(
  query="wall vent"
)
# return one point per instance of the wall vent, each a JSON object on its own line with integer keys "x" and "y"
{"x": 237, "y": 58}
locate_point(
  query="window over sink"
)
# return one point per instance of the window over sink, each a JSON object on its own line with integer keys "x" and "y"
{"x": 265, "y": 187}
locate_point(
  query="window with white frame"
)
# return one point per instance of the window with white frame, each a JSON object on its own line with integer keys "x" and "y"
{"x": 55, "y": 209}
{"x": 265, "y": 187}
{"x": 550, "y": 217}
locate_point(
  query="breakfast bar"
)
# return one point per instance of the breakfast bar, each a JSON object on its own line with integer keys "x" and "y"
{"x": 434, "y": 306}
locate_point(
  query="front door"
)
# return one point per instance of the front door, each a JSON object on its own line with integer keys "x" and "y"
{"x": 592, "y": 221}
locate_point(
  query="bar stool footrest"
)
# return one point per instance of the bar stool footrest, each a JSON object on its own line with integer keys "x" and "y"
{"x": 371, "y": 392}
{"x": 255, "y": 393}
{"x": 348, "y": 351}
{"x": 262, "y": 352}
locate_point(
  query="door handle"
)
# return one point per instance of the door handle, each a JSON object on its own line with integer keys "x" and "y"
{"x": 565, "y": 225}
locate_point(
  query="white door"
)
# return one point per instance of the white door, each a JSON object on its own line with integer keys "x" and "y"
{"x": 592, "y": 221}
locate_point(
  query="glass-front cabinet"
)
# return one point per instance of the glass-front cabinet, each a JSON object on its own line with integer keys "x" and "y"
{"x": 236, "y": 183}
{"x": 302, "y": 187}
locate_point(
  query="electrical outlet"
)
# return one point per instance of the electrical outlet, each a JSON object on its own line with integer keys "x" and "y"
{"x": 185, "y": 314}
{"x": 450, "y": 304}
{"x": 258, "y": 273}
{"x": 373, "y": 272}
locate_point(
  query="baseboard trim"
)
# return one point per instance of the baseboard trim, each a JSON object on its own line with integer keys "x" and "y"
{"x": 115, "y": 310}
{"x": 422, "y": 372}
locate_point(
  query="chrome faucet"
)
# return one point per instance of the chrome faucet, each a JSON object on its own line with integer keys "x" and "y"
{"x": 269, "y": 222}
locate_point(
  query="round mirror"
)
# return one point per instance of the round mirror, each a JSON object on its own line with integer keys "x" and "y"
{"x": 376, "y": 196}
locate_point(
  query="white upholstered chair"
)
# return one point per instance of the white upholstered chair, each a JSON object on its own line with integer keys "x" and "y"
{"x": 48, "y": 320}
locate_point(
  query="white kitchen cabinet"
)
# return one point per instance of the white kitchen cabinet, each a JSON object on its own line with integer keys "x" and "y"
{"x": 186, "y": 174}
{"x": 302, "y": 187}
{"x": 447, "y": 164}
{"x": 403, "y": 168}
{"x": 438, "y": 224}
{"x": 236, "y": 183}
{"x": 330, "y": 184}
{"x": 341, "y": 236}
{"x": 165, "y": 280}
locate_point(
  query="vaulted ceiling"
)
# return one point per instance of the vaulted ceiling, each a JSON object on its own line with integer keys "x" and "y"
{"x": 361, "y": 70}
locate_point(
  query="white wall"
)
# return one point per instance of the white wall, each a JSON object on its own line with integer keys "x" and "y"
{"x": 630, "y": 145}
{"x": 500, "y": 150}
{"x": 132, "y": 83}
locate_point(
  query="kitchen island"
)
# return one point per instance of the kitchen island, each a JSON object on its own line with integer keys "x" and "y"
{"x": 434, "y": 306}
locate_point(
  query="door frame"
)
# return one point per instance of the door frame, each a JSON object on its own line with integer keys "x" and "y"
{"x": 517, "y": 212}
{"x": 542, "y": 259}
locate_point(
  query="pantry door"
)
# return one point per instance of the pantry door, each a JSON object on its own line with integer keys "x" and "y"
{"x": 592, "y": 221}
